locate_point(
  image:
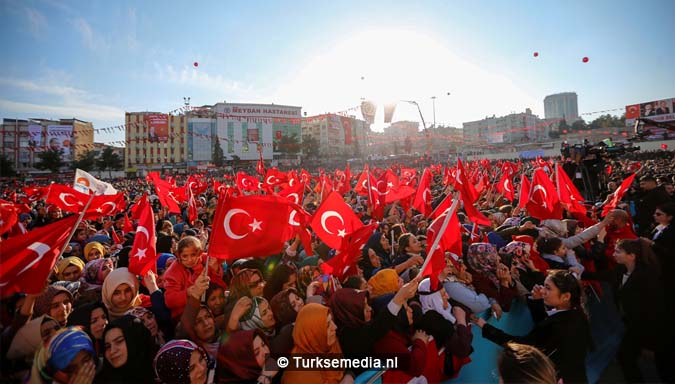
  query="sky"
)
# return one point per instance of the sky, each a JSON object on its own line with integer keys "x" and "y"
{"x": 94, "y": 60}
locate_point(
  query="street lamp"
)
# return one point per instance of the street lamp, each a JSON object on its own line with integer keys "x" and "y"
{"x": 433, "y": 99}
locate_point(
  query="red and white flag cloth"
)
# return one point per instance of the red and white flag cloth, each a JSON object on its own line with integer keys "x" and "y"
{"x": 505, "y": 187}
{"x": 8, "y": 216}
{"x": 423, "y": 198}
{"x": 333, "y": 220}
{"x": 143, "y": 255}
{"x": 86, "y": 183}
{"x": 344, "y": 262}
{"x": 543, "y": 202}
{"x": 251, "y": 226}
{"x": 618, "y": 194}
{"x": 445, "y": 233}
{"x": 569, "y": 195}
{"x": 26, "y": 260}
{"x": 524, "y": 191}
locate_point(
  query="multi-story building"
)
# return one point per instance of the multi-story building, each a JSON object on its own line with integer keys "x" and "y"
{"x": 243, "y": 129}
{"x": 562, "y": 106}
{"x": 155, "y": 141}
{"x": 338, "y": 135}
{"x": 23, "y": 140}
{"x": 511, "y": 129}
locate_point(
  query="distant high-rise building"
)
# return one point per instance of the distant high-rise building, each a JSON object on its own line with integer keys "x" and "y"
{"x": 561, "y": 106}
{"x": 514, "y": 128}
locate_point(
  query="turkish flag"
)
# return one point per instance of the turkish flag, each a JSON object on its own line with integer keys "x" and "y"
{"x": 34, "y": 194}
{"x": 128, "y": 226}
{"x": 408, "y": 176}
{"x": 251, "y": 226}
{"x": 192, "y": 205}
{"x": 105, "y": 205}
{"x": 274, "y": 177}
{"x": 362, "y": 184}
{"x": 543, "y": 202}
{"x": 8, "y": 216}
{"x": 143, "y": 255}
{"x": 298, "y": 220}
{"x": 462, "y": 183}
{"x": 247, "y": 183}
{"x": 570, "y": 197}
{"x": 451, "y": 240}
{"x": 294, "y": 193}
{"x": 423, "y": 197}
{"x": 26, "y": 260}
{"x": 196, "y": 186}
{"x": 618, "y": 194}
{"x": 67, "y": 198}
{"x": 333, "y": 220}
{"x": 505, "y": 186}
{"x": 344, "y": 262}
{"x": 165, "y": 192}
{"x": 524, "y": 192}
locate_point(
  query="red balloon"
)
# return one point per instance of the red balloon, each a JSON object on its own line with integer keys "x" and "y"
{"x": 624, "y": 134}
{"x": 196, "y": 64}
{"x": 664, "y": 146}
{"x": 536, "y": 54}
{"x": 585, "y": 59}
{"x": 564, "y": 131}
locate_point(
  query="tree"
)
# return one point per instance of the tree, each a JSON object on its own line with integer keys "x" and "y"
{"x": 579, "y": 125}
{"x": 110, "y": 161}
{"x": 287, "y": 144}
{"x": 562, "y": 126}
{"x": 553, "y": 134}
{"x": 310, "y": 146}
{"x": 408, "y": 145}
{"x": 86, "y": 162}
{"x": 218, "y": 157}
{"x": 6, "y": 167}
{"x": 50, "y": 160}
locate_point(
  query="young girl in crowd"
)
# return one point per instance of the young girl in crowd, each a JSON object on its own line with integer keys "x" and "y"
{"x": 129, "y": 351}
{"x": 521, "y": 363}
{"x": 68, "y": 357}
{"x": 182, "y": 362}
{"x": 562, "y": 333}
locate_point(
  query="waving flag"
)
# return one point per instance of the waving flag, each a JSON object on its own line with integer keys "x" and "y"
{"x": 143, "y": 255}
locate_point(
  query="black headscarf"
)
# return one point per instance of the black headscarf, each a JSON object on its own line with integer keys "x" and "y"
{"x": 141, "y": 350}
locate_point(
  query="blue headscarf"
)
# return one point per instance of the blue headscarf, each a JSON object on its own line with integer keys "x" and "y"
{"x": 60, "y": 351}
{"x": 162, "y": 259}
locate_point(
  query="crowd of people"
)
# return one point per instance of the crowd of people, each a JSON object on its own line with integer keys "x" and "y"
{"x": 199, "y": 320}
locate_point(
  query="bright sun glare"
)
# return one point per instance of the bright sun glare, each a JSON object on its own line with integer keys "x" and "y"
{"x": 388, "y": 65}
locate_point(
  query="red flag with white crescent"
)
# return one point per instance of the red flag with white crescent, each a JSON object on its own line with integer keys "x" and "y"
{"x": 143, "y": 255}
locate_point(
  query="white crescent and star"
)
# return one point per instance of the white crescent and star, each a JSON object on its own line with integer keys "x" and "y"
{"x": 226, "y": 223}
{"x": 426, "y": 193}
{"x": 291, "y": 219}
{"x": 62, "y": 197}
{"x": 328, "y": 214}
{"x": 295, "y": 198}
{"x": 40, "y": 249}
{"x": 110, "y": 211}
{"x": 506, "y": 186}
{"x": 543, "y": 190}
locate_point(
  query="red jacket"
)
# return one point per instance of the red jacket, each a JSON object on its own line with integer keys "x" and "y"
{"x": 395, "y": 342}
{"x": 177, "y": 279}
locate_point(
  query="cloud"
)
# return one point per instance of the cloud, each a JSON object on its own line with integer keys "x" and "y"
{"x": 37, "y": 22}
{"x": 82, "y": 111}
{"x": 58, "y": 90}
{"x": 90, "y": 38}
{"x": 198, "y": 78}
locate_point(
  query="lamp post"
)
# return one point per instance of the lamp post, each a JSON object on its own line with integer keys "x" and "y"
{"x": 433, "y": 100}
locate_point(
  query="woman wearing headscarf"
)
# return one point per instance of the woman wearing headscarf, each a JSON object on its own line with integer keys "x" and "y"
{"x": 197, "y": 321}
{"x": 93, "y": 276}
{"x": 517, "y": 254}
{"x": 150, "y": 322}
{"x": 375, "y": 255}
{"x": 68, "y": 357}
{"x": 357, "y": 330}
{"x": 92, "y": 317}
{"x": 285, "y": 307}
{"x": 315, "y": 333}
{"x": 283, "y": 276}
{"x": 404, "y": 340}
{"x": 182, "y": 362}
{"x": 384, "y": 282}
{"x": 129, "y": 350}
{"x": 93, "y": 250}
{"x": 491, "y": 277}
{"x": 241, "y": 359}
{"x": 120, "y": 292}
{"x": 259, "y": 316}
{"x": 69, "y": 269}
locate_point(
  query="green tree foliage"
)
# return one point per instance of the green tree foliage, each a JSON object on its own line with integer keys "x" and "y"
{"x": 6, "y": 167}
{"x": 310, "y": 146}
{"x": 50, "y": 160}
{"x": 287, "y": 144}
{"x": 218, "y": 157}
{"x": 579, "y": 125}
{"x": 110, "y": 161}
{"x": 86, "y": 162}
{"x": 608, "y": 121}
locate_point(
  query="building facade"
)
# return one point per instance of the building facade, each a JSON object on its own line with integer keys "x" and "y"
{"x": 23, "y": 140}
{"x": 244, "y": 128}
{"x": 511, "y": 129}
{"x": 155, "y": 141}
{"x": 562, "y": 106}
{"x": 338, "y": 135}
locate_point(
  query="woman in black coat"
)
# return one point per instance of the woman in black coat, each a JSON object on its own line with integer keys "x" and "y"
{"x": 563, "y": 333}
{"x": 639, "y": 297}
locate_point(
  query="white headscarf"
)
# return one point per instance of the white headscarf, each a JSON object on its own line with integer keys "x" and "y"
{"x": 434, "y": 301}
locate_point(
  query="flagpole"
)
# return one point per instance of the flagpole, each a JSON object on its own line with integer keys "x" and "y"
{"x": 79, "y": 219}
{"x": 437, "y": 240}
{"x": 370, "y": 196}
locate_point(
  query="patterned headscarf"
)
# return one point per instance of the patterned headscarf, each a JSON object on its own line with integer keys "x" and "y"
{"x": 62, "y": 264}
{"x": 58, "y": 353}
{"x": 93, "y": 271}
{"x": 253, "y": 319}
{"x": 44, "y": 301}
{"x": 514, "y": 249}
{"x": 483, "y": 259}
{"x": 172, "y": 362}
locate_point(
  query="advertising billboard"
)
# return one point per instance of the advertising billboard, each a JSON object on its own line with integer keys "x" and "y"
{"x": 201, "y": 149}
{"x": 158, "y": 127}
{"x": 658, "y": 111}
{"x": 347, "y": 126}
{"x": 60, "y": 138}
{"x": 35, "y": 138}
